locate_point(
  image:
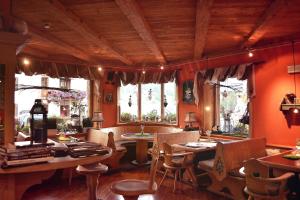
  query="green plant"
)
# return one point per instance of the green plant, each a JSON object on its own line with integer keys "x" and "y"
{"x": 170, "y": 117}
{"x": 126, "y": 117}
{"x": 152, "y": 116}
{"x": 87, "y": 122}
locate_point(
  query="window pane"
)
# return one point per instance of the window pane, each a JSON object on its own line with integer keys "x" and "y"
{"x": 151, "y": 102}
{"x": 233, "y": 103}
{"x": 59, "y": 103}
{"x": 170, "y": 103}
{"x": 128, "y": 103}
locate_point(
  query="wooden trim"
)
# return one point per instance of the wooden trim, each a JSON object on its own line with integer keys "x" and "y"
{"x": 139, "y": 102}
{"x": 77, "y": 24}
{"x": 201, "y": 28}
{"x": 260, "y": 28}
{"x": 278, "y": 146}
{"x": 135, "y": 15}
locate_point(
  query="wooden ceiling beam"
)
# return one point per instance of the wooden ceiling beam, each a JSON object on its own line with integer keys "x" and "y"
{"x": 203, "y": 8}
{"x": 133, "y": 12}
{"x": 43, "y": 35}
{"x": 261, "y": 25}
{"x": 78, "y": 25}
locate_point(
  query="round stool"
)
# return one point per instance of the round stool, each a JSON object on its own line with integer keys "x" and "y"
{"x": 92, "y": 173}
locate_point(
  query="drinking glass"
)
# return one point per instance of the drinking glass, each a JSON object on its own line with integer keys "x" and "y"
{"x": 208, "y": 133}
{"x": 298, "y": 144}
{"x": 142, "y": 128}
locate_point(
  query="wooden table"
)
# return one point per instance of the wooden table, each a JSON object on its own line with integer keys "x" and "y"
{"x": 141, "y": 146}
{"x": 196, "y": 146}
{"x": 15, "y": 181}
{"x": 279, "y": 162}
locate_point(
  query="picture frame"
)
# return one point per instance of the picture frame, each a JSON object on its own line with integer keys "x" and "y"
{"x": 187, "y": 89}
{"x": 108, "y": 97}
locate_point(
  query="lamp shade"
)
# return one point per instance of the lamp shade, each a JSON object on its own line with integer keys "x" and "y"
{"x": 98, "y": 117}
{"x": 190, "y": 117}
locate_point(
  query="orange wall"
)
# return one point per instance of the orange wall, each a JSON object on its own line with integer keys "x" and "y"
{"x": 186, "y": 73}
{"x": 272, "y": 83}
{"x": 109, "y": 110}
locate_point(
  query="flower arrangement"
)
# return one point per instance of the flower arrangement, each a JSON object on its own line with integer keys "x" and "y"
{"x": 56, "y": 95}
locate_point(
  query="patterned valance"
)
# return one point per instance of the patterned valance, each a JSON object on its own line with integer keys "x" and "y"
{"x": 149, "y": 77}
{"x": 209, "y": 76}
{"x": 58, "y": 70}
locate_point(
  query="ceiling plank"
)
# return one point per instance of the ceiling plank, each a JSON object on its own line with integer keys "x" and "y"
{"x": 77, "y": 24}
{"x": 45, "y": 36}
{"x": 202, "y": 22}
{"x": 5, "y": 14}
{"x": 260, "y": 27}
{"x": 133, "y": 12}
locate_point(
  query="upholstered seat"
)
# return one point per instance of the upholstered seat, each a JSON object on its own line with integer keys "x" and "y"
{"x": 206, "y": 165}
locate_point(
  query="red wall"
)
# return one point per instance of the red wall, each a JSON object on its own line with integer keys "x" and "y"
{"x": 272, "y": 83}
{"x": 109, "y": 110}
{"x": 186, "y": 73}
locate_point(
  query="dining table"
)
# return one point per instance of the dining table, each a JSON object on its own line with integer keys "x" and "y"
{"x": 142, "y": 140}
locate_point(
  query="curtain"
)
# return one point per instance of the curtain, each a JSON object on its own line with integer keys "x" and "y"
{"x": 212, "y": 76}
{"x": 150, "y": 77}
{"x": 57, "y": 70}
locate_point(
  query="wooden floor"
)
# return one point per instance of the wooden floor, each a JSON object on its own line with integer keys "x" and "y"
{"x": 60, "y": 190}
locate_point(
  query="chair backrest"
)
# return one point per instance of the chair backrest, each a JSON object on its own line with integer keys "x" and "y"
{"x": 102, "y": 138}
{"x": 258, "y": 181}
{"x": 230, "y": 156}
{"x": 167, "y": 154}
{"x": 176, "y": 138}
{"x": 153, "y": 168}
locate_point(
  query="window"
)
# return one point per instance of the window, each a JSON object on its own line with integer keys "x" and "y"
{"x": 232, "y": 107}
{"x": 60, "y": 104}
{"x": 148, "y": 102}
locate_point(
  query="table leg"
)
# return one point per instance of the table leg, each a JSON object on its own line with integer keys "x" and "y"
{"x": 141, "y": 151}
{"x": 12, "y": 186}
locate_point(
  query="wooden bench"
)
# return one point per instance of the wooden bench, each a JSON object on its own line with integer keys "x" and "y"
{"x": 223, "y": 170}
{"x": 107, "y": 139}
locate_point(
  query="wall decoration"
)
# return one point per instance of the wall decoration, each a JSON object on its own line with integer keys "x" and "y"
{"x": 108, "y": 97}
{"x": 188, "y": 96}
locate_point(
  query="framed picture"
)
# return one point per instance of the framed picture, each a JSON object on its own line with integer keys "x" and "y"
{"x": 187, "y": 95}
{"x": 108, "y": 97}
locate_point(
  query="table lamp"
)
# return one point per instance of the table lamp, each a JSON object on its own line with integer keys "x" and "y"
{"x": 98, "y": 118}
{"x": 190, "y": 117}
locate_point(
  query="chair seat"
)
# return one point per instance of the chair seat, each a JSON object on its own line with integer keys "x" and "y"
{"x": 206, "y": 165}
{"x": 133, "y": 187}
{"x": 92, "y": 169}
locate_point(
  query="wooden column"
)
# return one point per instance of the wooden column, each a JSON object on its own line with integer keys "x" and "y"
{"x": 8, "y": 45}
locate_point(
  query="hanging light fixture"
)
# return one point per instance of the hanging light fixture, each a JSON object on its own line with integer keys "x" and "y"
{"x": 165, "y": 101}
{"x": 130, "y": 101}
{"x": 295, "y": 109}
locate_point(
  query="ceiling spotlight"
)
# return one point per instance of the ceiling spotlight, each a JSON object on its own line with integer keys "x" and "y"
{"x": 296, "y": 111}
{"x": 144, "y": 72}
{"x": 99, "y": 69}
{"x": 47, "y": 25}
{"x": 26, "y": 61}
{"x": 162, "y": 67}
{"x": 250, "y": 54}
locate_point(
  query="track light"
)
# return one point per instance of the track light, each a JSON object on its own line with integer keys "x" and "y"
{"x": 144, "y": 72}
{"x": 99, "y": 69}
{"x": 250, "y": 54}
{"x": 162, "y": 67}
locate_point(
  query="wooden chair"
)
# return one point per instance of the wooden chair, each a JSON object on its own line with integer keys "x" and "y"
{"x": 175, "y": 162}
{"x": 260, "y": 186}
{"x": 130, "y": 189}
{"x": 92, "y": 173}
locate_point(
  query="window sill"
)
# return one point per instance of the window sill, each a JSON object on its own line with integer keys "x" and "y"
{"x": 147, "y": 124}
{"x": 226, "y": 137}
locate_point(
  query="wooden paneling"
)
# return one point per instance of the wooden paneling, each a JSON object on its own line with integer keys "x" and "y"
{"x": 142, "y": 33}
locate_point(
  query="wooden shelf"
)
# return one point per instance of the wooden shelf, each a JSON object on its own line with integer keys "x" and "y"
{"x": 285, "y": 107}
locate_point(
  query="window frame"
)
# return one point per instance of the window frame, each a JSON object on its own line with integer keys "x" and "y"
{"x": 217, "y": 113}
{"x": 139, "y": 114}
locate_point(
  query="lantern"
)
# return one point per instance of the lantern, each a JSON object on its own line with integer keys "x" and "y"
{"x": 38, "y": 123}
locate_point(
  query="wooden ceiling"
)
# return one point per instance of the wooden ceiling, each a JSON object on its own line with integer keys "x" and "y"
{"x": 153, "y": 32}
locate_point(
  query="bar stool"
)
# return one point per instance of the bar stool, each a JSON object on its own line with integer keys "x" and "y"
{"x": 92, "y": 173}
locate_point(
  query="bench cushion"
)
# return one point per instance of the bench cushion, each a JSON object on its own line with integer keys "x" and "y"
{"x": 206, "y": 165}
